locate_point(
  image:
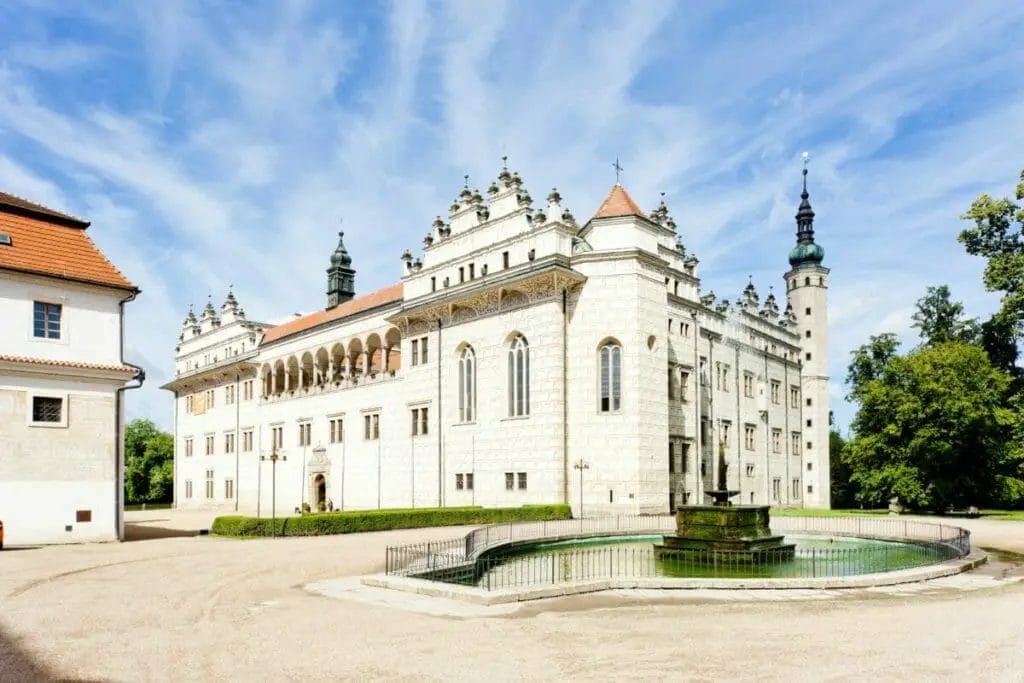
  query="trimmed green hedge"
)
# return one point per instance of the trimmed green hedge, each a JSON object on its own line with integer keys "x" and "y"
{"x": 326, "y": 523}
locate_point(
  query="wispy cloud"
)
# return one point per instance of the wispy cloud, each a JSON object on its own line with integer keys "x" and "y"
{"x": 211, "y": 146}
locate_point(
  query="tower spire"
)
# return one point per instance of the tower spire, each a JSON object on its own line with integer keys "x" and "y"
{"x": 805, "y": 251}
{"x": 341, "y": 275}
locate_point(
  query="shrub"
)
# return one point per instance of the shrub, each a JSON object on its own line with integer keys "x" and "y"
{"x": 326, "y": 523}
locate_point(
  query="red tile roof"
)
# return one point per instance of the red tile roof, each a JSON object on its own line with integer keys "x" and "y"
{"x": 618, "y": 203}
{"x": 363, "y": 303}
{"x": 66, "y": 363}
{"x": 50, "y": 243}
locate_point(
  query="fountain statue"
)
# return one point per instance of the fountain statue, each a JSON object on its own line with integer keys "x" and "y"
{"x": 737, "y": 533}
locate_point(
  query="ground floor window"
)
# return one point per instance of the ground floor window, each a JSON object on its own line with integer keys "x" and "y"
{"x": 776, "y": 488}
{"x": 209, "y": 484}
{"x": 510, "y": 481}
{"x": 796, "y": 488}
{"x": 522, "y": 481}
{"x": 47, "y": 409}
{"x": 464, "y": 481}
{"x": 188, "y": 488}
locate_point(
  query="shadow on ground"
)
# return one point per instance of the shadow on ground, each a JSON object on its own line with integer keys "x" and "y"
{"x": 17, "y": 664}
{"x": 149, "y": 529}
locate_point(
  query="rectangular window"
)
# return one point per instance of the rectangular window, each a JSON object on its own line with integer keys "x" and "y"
{"x": 247, "y": 389}
{"x": 684, "y": 383}
{"x": 247, "y": 441}
{"x": 229, "y": 489}
{"x": 472, "y": 273}
{"x": 188, "y": 404}
{"x": 423, "y": 350}
{"x": 671, "y": 459}
{"x": 371, "y": 426}
{"x": 229, "y": 394}
{"x": 209, "y": 484}
{"x": 209, "y": 398}
{"x": 703, "y": 367}
{"x": 522, "y": 481}
{"x": 725, "y": 378}
{"x": 794, "y": 439}
{"x": 305, "y": 433}
{"x": 459, "y": 482}
{"x": 685, "y": 460}
{"x": 188, "y": 447}
{"x": 415, "y": 351}
{"x": 504, "y": 259}
{"x": 336, "y": 430}
{"x": 776, "y": 488}
{"x": 808, "y": 445}
{"x": 469, "y": 481}
{"x": 796, "y": 489}
{"x": 277, "y": 437}
{"x": 209, "y": 445}
{"x": 510, "y": 481}
{"x": 748, "y": 436}
{"x": 46, "y": 320}
{"x": 433, "y": 284}
{"x": 188, "y": 488}
{"x": 776, "y": 440}
{"x": 748, "y": 385}
{"x": 810, "y": 466}
{"x": 810, "y": 489}
{"x": 229, "y": 442}
{"x": 47, "y": 409}
{"x": 794, "y": 396}
{"x": 419, "y": 421}
{"x": 462, "y": 274}
{"x": 775, "y": 391}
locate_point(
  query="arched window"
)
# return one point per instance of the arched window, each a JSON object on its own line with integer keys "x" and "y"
{"x": 519, "y": 377}
{"x": 611, "y": 377}
{"x": 467, "y": 385}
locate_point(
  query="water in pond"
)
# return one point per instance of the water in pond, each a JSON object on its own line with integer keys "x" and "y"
{"x": 633, "y": 557}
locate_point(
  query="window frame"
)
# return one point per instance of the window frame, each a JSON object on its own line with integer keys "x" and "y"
{"x": 609, "y": 377}
{"x": 467, "y": 385}
{"x": 60, "y": 423}
{"x": 46, "y": 309}
{"x": 518, "y": 377}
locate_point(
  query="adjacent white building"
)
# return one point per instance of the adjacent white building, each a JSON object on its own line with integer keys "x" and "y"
{"x": 61, "y": 376}
{"x": 522, "y": 358}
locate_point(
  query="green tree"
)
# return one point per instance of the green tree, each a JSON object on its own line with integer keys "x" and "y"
{"x": 149, "y": 463}
{"x": 940, "y": 319}
{"x": 998, "y": 236}
{"x": 870, "y": 360}
{"x": 932, "y": 429}
{"x": 840, "y": 474}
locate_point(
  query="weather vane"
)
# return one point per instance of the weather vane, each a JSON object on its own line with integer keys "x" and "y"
{"x": 618, "y": 169}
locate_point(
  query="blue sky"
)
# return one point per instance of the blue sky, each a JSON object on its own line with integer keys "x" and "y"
{"x": 221, "y": 142}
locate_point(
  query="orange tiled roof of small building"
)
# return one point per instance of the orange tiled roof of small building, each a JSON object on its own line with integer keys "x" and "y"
{"x": 361, "y": 303}
{"x": 51, "y": 243}
{"x": 618, "y": 203}
{"x": 66, "y": 363}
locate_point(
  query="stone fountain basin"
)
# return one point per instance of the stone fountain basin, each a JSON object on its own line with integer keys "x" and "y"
{"x": 734, "y": 532}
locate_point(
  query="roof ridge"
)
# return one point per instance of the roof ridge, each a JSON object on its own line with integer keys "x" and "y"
{"x": 13, "y": 201}
{"x": 386, "y": 295}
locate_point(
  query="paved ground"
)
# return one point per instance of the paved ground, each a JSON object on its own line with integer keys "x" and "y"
{"x": 183, "y": 607}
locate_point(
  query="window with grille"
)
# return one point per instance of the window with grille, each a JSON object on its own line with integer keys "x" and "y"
{"x": 46, "y": 320}
{"x": 522, "y": 481}
{"x": 510, "y": 481}
{"x": 47, "y": 409}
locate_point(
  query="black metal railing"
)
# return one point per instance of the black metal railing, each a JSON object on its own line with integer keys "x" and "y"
{"x": 489, "y": 557}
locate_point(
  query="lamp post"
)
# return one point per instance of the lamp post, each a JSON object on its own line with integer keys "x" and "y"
{"x": 581, "y": 465}
{"x": 273, "y": 458}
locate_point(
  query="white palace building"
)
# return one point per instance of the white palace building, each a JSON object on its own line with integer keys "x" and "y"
{"x": 521, "y": 359}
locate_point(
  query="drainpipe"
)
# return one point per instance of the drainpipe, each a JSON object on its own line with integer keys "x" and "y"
{"x": 237, "y": 444}
{"x": 139, "y": 377}
{"x": 736, "y": 430}
{"x": 565, "y": 398}
{"x": 440, "y": 448}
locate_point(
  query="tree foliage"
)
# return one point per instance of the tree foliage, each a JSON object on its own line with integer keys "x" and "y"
{"x": 870, "y": 360}
{"x": 149, "y": 463}
{"x": 932, "y": 429}
{"x": 843, "y": 490}
{"x": 940, "y": 319}
{"x": 998, "y": 236}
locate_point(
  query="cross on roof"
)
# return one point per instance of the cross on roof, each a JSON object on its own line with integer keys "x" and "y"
{"x": 618, "y": 169}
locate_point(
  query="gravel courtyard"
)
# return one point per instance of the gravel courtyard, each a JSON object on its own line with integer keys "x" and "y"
{"x": 172, "y": 606}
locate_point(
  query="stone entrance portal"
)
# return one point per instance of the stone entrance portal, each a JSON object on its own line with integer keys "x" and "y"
{"x": 320, "y": 490}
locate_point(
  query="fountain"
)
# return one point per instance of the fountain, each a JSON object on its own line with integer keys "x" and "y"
{"x": 738, "y": 533}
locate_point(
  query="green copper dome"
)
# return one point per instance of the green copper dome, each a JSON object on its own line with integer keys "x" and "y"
{"x": 806, "y": 253}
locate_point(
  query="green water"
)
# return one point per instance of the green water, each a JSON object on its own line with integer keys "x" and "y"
{"x": 633, "y": 557}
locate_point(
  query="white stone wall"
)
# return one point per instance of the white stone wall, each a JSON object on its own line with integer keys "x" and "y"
{"x": 90, "y": 322}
